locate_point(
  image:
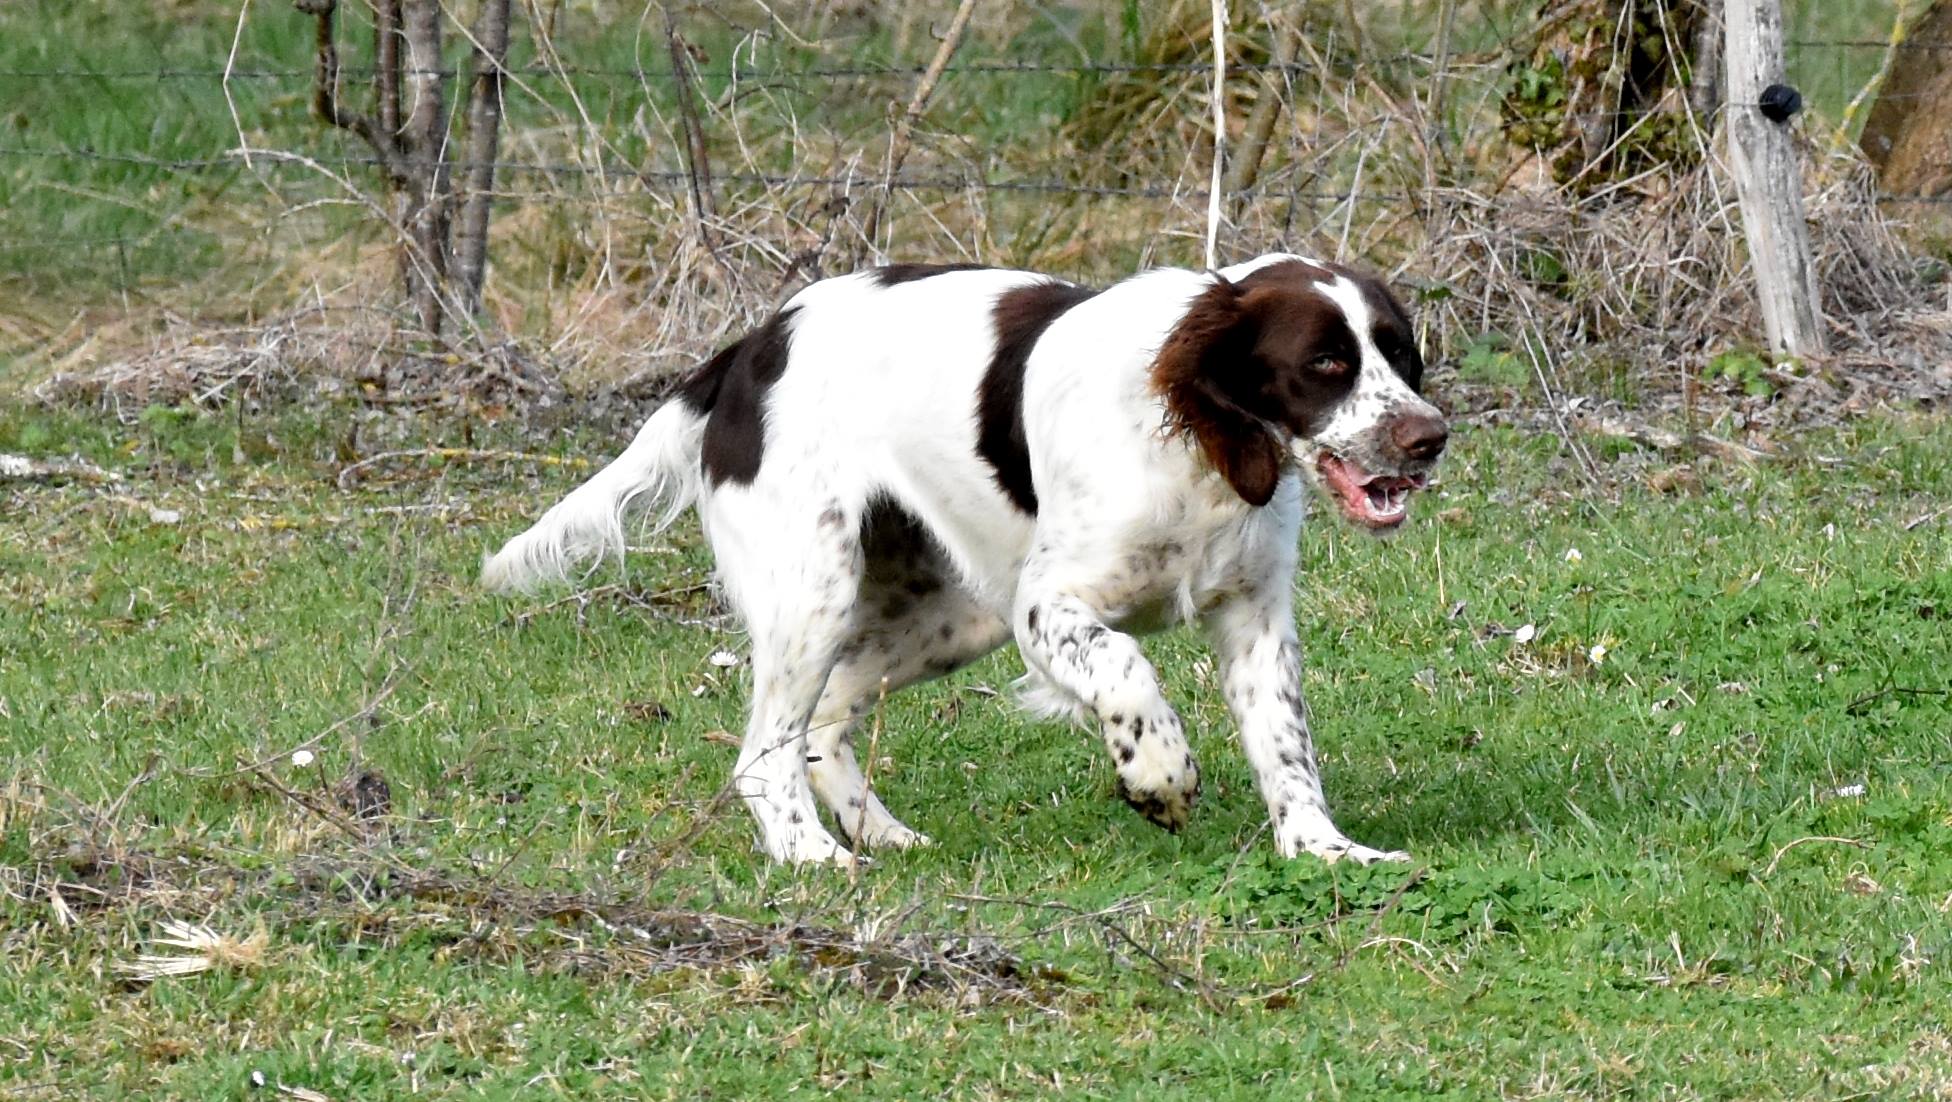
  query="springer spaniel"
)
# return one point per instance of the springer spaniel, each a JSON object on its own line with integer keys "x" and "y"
{"x": 905, "y": 467}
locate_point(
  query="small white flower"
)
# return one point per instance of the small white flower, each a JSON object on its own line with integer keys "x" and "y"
{"x": 723, "y": 659}
{"x": 1849, "y": 791}
{"x": 1597, "y": 654}
{"x": 1573, "y": 555}
{"x": 1525, "y": 634}
{"x": 301, "y": 758}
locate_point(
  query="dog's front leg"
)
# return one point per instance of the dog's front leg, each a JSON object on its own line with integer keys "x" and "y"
{"x": 1254, "y": 637}
{"x": 1066, "y": 640}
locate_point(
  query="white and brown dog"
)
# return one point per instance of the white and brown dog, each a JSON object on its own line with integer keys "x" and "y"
{"x": 908, "y": 466}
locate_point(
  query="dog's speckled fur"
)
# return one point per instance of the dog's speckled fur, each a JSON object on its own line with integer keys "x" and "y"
{"x": 907, "y": 467}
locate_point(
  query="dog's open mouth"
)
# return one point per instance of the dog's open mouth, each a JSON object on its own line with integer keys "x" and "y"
{"x": 1371, "y": 500}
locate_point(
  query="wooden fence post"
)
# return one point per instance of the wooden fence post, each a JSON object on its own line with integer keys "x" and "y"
{"x": 1769, "y": 181}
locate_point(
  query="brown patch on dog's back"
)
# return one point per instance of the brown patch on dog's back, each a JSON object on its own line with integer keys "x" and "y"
{"x": 1021, "y": 315}
{"x": 732, "y": 386}
{"x": 888, "y": 275}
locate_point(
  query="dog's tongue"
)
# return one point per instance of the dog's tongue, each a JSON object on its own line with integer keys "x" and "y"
{"x": 1387, "y": 498}
{"x": 1376, "y": 501}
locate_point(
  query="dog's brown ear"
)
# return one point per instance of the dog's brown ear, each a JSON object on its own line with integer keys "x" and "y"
{"x": 1237, "y": 444}
{"x": 1200, "y": 357}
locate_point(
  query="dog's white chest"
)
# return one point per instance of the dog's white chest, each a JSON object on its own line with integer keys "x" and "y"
{"x": 1206, "y": 548}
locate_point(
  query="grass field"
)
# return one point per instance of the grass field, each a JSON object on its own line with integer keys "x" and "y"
{"x": 1669, "y": 744}
{"x": 1713, "y": 860}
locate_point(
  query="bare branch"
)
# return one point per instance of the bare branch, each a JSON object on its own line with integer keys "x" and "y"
{"x": 1246, "y": 167}
{"x": 917, "y": 103}
{"x": 697, "y": 163}
{"x": 325, "y": 90}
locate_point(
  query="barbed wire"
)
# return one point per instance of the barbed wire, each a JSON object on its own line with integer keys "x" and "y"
{"x": 632, "y": 178}
{"x": 236, "y": 162}
{"x": 843, "y": 72}
{"x": 745, "y": 73}
{"x": 239, "y": 160}
{"x": 1425, "y": 196}
{"x": 1872, "y": 44}
{"x": 231, "y": 158}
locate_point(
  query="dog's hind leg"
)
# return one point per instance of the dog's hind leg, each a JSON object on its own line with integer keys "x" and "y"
{"x": 911, "y": 623}
{"x": 935, "y": 637}
{"x": 795, "y": 587}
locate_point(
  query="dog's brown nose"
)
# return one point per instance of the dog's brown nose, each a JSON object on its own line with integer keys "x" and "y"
{"x": 1420, "y": 435}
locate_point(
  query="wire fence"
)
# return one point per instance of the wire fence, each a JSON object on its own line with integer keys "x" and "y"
{"x": 231, "y": 158}
{"x": 1410, "y": 160}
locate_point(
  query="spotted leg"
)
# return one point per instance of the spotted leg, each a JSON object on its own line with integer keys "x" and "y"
{"x": 1254, "y": 637}
{"x": 910, "y": 622}
{"x": 797, "y": 609}
{"x": 1068, "y": 642}
{"x": 928, "y": 639}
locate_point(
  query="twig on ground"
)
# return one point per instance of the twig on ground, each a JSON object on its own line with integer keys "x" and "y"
{"x": 1921, "y": 521}
{"x": 1857, "y": 706}
{"x": 19, "y": 468}
{"x": 1663, "y": 440}
{"x": 332, "y": 815}
{"x": 350, "y": 474}
{"x": 582, "y": 598}
{"x": 1787, "y": 846}
{"x": 1207, "y": 991}
{"x": 1376, "y": 921}
{"x": 365, "y": 712}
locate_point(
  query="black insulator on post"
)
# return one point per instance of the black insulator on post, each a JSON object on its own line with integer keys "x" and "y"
{"x": 1779, "y": 102}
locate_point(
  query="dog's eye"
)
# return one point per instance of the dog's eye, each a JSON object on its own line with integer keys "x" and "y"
{"x": 1329, "y": 365}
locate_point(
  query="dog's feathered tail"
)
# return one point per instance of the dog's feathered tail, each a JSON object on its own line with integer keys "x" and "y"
{"x": 659, "y": 474}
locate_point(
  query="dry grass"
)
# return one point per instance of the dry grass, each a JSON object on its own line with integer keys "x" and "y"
{"x": 607, "y": 284}
{"x": 577, "y": 932}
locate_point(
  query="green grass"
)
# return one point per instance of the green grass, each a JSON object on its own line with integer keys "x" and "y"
{"x": 1631, "y": 880}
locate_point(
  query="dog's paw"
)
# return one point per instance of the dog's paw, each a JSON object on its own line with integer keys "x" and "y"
{"x": 1168, "y": 802}
{"x": 1156, "y": 771}
{"x": 810, "y": 847}
{"x": 1332, "y": 847}
{"x": 1345, "y": 850}
{"x": 888, "y": 833}
{"x": 896, "y": 836}
{"x": 1312, "y": 833}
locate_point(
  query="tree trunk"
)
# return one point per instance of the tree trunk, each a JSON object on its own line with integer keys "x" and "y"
{"x": 1603, "y": 92}
{"x": 484, "y": 131}
{"x": 426, "y": 143}
{"x": 1907, "y": 136}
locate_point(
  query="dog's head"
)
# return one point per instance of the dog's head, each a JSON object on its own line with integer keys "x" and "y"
{"x": 1311, "y": 363}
